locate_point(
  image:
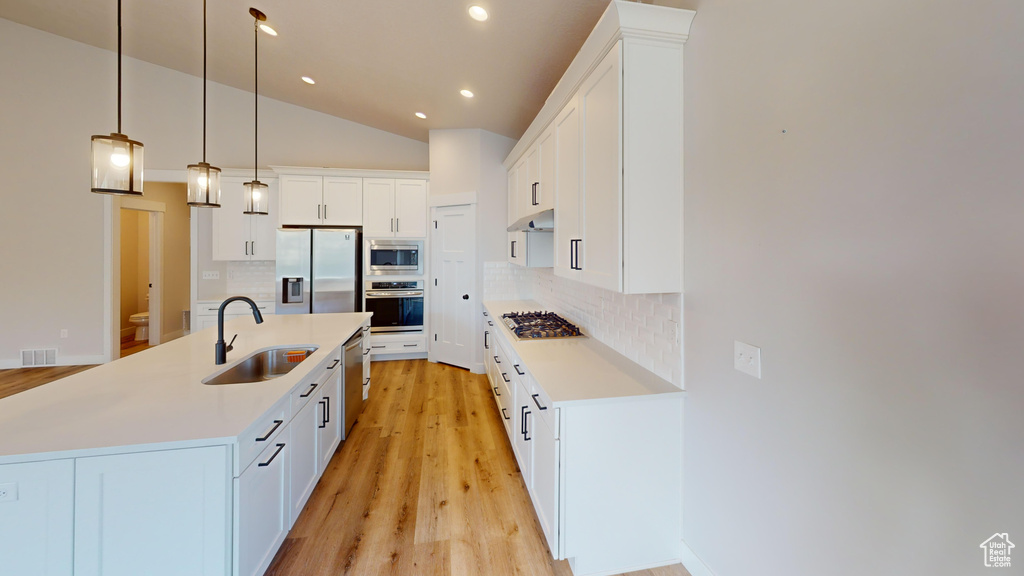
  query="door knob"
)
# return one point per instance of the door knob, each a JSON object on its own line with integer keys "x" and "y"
{"x": 465, "y": 296}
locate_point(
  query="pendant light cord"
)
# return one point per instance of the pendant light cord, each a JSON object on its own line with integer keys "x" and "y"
{"x": 256, "y": 99}
{"x": 204, "y": 81}
{"x": 119, "y": 66}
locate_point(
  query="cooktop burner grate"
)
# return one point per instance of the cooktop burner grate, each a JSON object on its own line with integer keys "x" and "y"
{"x": 539, "y": 325}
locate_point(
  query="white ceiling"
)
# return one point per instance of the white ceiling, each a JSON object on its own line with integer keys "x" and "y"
{"x": 376, "y": 62}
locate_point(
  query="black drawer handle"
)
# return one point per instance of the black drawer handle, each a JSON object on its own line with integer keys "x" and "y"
{"x": 490, "y": 323}
{"x": 365, "y": 352}
{"x": 272, "y": 456}
{"x": 505, "y": 378}
{"x": 496, "y": 361}
{"x": 367, "y": 383}
{"x": 336, "y": 360}
{"x": 507, "y": 417}
{"x": 410, "y": 345}
{"x": 310, "y": 391}
{"x": 518, "y": 371}
{"x": 485, "y": 312}
{"x": 323, "y": 424}
{"x": 486, "y": 347}
{"x": 523, "y": 426}
{"x": 277, "y": 424}
{"x": 539, "y": 407}
{"x": 378, "y": 346}
{"x": 496, "y": 393}
{"x": 327, "y": 409}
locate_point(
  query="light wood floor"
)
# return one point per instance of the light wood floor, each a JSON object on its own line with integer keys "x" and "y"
{"x": 426, "y": 484}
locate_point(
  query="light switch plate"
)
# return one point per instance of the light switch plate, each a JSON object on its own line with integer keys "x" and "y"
{"x": 8, "y": 492}
{"x": 211, "y": 275}
{"x": 747, "y": 359}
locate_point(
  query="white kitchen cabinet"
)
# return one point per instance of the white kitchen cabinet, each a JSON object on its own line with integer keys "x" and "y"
{"x": 239, "y": 236}
{"x": 545, "y": 477}
{"x": 530, "y": 249}
{"x": 512, "y": 194}
{"x": 164, "y": 513}
{"x": 330, "y": 418}
{"x": 321, "y": 200}
{"x": 303, "y": 455}
{"x": 394, "y": 208}
{"x": 37, "y": 519}
{"x": 566, "y": 129}
{"x": 536, "y": 192}
{"x": 366, "y": 363}
{"x": 522, "y": 425}
{"x": 262, "y": 515}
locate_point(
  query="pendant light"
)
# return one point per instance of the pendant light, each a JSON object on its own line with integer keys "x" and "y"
{"x": 117, "y": 159}
{"x": 203, "y": 179}
{"x": 256, "y": 195}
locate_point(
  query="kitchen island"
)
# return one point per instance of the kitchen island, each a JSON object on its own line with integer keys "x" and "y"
{"x": 136, "y": 466}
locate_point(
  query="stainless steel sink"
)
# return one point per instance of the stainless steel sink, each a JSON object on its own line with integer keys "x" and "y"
{"x": 263, "y": 365}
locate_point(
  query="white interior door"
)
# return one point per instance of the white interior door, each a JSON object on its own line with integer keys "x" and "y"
{"x": 454, "y": 297}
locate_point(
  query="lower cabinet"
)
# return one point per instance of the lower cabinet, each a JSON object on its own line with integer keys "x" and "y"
{"x": 37, "y": 518}
{"x": 329, "y": 419}
{"x": 165, "y": 513}
{"x": 304, "y": 457}
{"x": 545, "y": 480}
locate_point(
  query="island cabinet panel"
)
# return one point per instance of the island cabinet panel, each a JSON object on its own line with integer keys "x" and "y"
{"x": 303, "y": 463}
{"x": 162, "y": 513}
{"x": 37, "y": 518}
{"x": 329, "y": 418}
{"x": 262, "y": 512}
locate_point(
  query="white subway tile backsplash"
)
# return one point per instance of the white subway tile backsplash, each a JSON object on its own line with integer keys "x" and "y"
{"x": 254, "y": 278}
{"x": 633, "y": 325}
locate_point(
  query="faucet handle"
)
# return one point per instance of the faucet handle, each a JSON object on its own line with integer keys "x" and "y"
{"x": 229, "y": 347}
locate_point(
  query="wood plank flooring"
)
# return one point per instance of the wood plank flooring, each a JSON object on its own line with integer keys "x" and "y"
{"x": 21, "y": 379}
{"x": 426, "y": 484}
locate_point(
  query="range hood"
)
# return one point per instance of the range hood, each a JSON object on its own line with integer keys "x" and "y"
{"x": 540, "y": 222}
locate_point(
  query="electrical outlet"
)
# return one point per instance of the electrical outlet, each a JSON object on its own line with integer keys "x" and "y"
{"x": 674, "y": 330}
{"x": 747, "y": 359}
{"x": 8, "y": 492}
{"x": 63, "y": 332}
{"x": 211, "y": 275}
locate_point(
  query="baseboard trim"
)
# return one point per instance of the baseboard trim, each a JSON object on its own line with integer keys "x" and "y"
{"x": 61, "y": 361}
{"x": 693, "y": 564}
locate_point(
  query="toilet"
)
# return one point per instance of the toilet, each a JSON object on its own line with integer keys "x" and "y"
{"x": 141, "y": 323}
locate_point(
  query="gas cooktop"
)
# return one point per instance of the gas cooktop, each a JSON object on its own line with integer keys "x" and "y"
{"x": 539, "y": 325}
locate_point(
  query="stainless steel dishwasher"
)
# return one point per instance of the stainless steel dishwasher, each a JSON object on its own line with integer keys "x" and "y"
{"x": 353, "y": 403}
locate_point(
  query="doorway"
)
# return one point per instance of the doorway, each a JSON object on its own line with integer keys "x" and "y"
{"x": 454, "y": 300}
{"x": 139, "y": 276}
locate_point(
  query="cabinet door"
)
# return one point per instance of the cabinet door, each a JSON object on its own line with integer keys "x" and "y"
{"x": 523, "y": 182}
{"x": 261, "y": 508}
{"x": 524, "y": 422}
{"x": 378, "y": 207}
{"x": 230, "y": 225}
{"x": 301, "y": 199}
{"x": 343, "y": 201}
{"x": 545, "y": 480}
{"x": 263, "y": 229}
{"x": 600, "y": 253}
{"x": 513, "y": 187}
{"x": 516, "y": 249}
{"x": 329, "y": 419}
{"x": 567, "y": 188}
{"x": 303, "y": 459}
{"x": 37, "y": 528}
{"x": 544, "y": 197}
{"x": 161, "y": 513}
{"x": 410, "y": 208}
{"x": 528, "y": 202}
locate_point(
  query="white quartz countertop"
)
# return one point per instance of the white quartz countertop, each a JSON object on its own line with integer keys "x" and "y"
{"x": 576, "y": 369}
{"x": 157, "y": 396}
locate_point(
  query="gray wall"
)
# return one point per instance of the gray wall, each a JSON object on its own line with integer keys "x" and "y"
{"x": 875, "y": 253}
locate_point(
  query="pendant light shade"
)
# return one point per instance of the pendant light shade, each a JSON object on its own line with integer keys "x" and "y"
{"x": 256, "y": 193}
{"x": 203, "y": 179}
{"x": 117, "y": 159}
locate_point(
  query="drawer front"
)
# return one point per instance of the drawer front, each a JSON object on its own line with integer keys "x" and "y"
{"x": 301, "y": 395}
{"x": 398, "y": 346}
{"x": 262, "y": 434}
{"x": 541, "y": 403}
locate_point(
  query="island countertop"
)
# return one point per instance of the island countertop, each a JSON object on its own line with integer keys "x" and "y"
{"x": 157, "y": 396}
{"x": 577, "y": 369}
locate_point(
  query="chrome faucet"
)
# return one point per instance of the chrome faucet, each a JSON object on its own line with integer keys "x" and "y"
{"x": 222, "y": 348}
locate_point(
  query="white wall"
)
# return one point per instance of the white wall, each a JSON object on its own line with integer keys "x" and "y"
{"x": 55, "y": 94}
{"x": 874, "y": 253}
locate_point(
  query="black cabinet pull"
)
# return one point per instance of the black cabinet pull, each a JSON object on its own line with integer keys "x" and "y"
{"x": 505, "y": 378}
{"x": 310, "y": 391}
{"x": 392, "y": 224}
{"x": 490, "y": 323}
{"x": 486, "y": 347}
{"x": 485, "y": 312}
{"x": 336, "y": 360}
{"x": 317, "y": 211}
{"x": 253, "y": 247}
{"x": 465, "y": 296}
{"x": 523, "y": 423}
{"x": 397, "y": 227}
{"x": 507, "y": 417}
{"x": 496, "y": 393}
{"x": 518, "y": 371}
{"x": 277, "y": 424}
{"x": 365, "y": 352}
{"x": 272, "y": 456}
{"x": 513, "y": 248}
{"x": 367, "y": 383}
{"x": 496, "y": 361}
{"x": 534, "y": 186}
{"x": 324, "y": 423}
{"x": 325, "y": 211}
{"x": 327, "y": 409}
{"x": 539, "y": 407}
{"x": 410, "y": 345}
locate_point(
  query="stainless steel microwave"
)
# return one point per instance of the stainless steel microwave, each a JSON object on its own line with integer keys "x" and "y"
{"x": 389, "y": 257}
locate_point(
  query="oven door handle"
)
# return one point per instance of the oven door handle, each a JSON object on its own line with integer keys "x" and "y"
{"x": 393, "y": 294}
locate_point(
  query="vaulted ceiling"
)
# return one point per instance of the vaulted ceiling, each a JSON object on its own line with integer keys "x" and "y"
{"x": 375, "y": 62}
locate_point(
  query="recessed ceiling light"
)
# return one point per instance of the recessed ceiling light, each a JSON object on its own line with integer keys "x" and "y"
{"x": 477, "y": 13}
{"x": 308, "y": 80}
{"x": 466, "y": 93}
{"x": 268, "y": 29}
{"x": 421, "y": 115}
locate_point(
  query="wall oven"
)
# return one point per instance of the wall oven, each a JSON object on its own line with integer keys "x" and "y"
{"x": 391, "y": 257}
{"x": 396, "y": 306}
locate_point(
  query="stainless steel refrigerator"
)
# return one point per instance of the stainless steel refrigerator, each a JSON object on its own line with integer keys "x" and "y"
{"x": 318, "y": 270}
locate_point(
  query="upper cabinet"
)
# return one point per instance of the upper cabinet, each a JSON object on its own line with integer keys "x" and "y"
{"x": 321, "y": 200}
{"x": 612, "y": 133}
{"x": 239, "y": 236}
{"x": 394, "y": 208}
